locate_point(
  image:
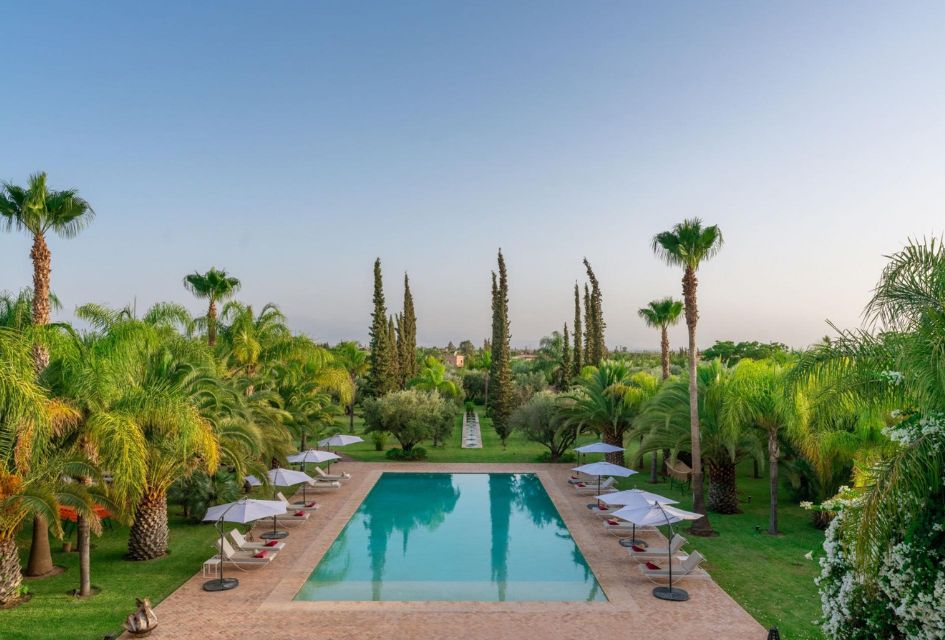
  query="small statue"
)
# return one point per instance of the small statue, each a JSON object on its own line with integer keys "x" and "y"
{"x": 142, "y": 621}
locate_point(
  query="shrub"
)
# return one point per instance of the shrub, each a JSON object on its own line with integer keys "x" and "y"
{"x": 379, "y": 438}
{"x": 410, "y": 416}
{"x": 474, "y": 385}
{"x": 417, "y": 453}
{"x": 541, "y": 420}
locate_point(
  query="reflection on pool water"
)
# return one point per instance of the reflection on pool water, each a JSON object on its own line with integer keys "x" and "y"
{"x": 462, "y": 536}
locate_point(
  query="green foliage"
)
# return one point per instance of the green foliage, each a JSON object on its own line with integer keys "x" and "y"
{"x": 414, "y": 454}
{"x": 196, "y": 493}
{"x": 501, "y": 392}
{"x": 433, "y": 377}
{"x": 731, "y": 352}
{"x": 474, "y": 385}
{"x": 379, "y": 440}
{"x": 37, "y": 209}
{"x": 410, "y": 416}
{"x": 597, "y": 349}
{"x": 541, "y": 420}
{"x": 382, "y": 377}
{"x": 578, "y": 360}
{"x": 407, "y": 337}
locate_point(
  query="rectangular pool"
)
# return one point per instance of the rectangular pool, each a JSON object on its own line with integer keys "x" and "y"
{"x": 454, "y": 536}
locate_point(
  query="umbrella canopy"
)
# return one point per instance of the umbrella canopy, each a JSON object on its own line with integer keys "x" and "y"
{"x": 654, "y": 515}
{"x": 245, "y": 510}
{"x": 287, "y": 477}
{"x": 314, "y": 455}
{"x": 637, "y": 497}
{"x": 604, "y": 469}
{"x": 253, "y": 481}
{"x": 340, "y": 440}
{"x": 598, "y": 447}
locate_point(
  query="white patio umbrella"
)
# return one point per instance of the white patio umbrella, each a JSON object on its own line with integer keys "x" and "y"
{"x": 314, "y": 455}
{"x": 280, "y": 477}
{"x": 633, "y": 499}
{"x": 340, "y": 440}
{"x": 598, "y": 447}
{"x": 241, "y": 511}
{"x": 253, "y": 481}
{"x": 658, "y": 515}
{"x": 601, "y": 469}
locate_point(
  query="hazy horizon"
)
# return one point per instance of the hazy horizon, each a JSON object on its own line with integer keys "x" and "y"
{"x": 293, "y": 146}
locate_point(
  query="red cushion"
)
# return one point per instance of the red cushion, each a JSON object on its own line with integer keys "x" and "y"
{"x": 602, "y": 507}
{"x": 272, "y": 543}
{"x": 638, "y": 548}
{"x": 261, "y": 554}
{"x": 652, "y": 567}
{"x": 613, "y": 521}
{"x": 581, "y": 484}
{"x": 311, "y": 505}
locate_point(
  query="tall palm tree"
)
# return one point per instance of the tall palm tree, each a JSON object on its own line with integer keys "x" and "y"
{"x": 38, "y": 210}
{"x": 214, "y": 285}
{"x": 762, "y": 398}
{"x": 687, "y": 245}
{"x": 661, "y": 314}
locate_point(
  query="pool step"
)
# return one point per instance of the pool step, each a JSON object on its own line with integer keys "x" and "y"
{"x": 472, "y": 437}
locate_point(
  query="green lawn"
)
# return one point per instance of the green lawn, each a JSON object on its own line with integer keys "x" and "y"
{"x": 53, "y": 614}
{"x": 768, "y": 575}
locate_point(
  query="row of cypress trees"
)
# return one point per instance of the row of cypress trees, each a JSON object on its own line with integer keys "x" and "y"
{"x": 589, "y": 347}
{"x": 393, "y": 345}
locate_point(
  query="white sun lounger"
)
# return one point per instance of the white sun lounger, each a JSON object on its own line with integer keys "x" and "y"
{"x": 326, "y": 484}
{"x": 656, "y": 553}
{"x": 243, "y": 544}
{"x": 625, "y": 528}
{"x": 242, "y": 559}
{"x": 296, "y": 506}
{"x": 591, "y": 489}
{"x": 688, "y": 568}
{"x": 333, "y": 477}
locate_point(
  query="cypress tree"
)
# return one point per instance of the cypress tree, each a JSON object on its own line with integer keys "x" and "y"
{"x": 393, "y": 362}
{"x": 500, "y": 378}
{"x": 400, "y": 337}
{"x": 598, "y": 348}
{"x": 408, "y": 345}
{"x": 588, "y": 329}
{"x": 380, "y": 378}
{"x": 565, "y": 358}
{"x": 578, "y": 345}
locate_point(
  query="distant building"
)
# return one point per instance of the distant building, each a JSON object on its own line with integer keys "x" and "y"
{"x": 455, "y": 359}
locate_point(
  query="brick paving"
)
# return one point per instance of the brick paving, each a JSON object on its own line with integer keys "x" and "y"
{"x": 262, "y": 607}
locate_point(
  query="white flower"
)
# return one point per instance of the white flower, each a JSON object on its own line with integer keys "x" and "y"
{"x": 807, "y": 504}
{"x": 809, "y": 555}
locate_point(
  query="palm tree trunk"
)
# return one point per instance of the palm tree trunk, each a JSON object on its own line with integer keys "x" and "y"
{"x": 212, "y": 323}
{"x": 664, "y": 351}
{"x": 617, "y": 456}
{"x": 755, "y": 471}
{"x": 351, "y": 418}
{"x": 723, "y": 490}
{"x": 700, "y": 527}
{"x": 10, "y": 576}
{"x": 654, "y": 466}
{"x": 85, "y": 568}
{"x": 774, "y": 452}
{"x": 148, "y": 536}
{"x": 40, "y": 561}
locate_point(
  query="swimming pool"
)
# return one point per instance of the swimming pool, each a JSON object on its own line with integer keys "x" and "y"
{"x": 454, "y": 536}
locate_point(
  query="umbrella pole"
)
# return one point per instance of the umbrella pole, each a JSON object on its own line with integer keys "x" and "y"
{"x": 221, "y": 584}
{"x": 668, "y": 593}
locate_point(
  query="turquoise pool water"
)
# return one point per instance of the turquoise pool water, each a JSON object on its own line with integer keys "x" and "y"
{"x": 462, "y": 536}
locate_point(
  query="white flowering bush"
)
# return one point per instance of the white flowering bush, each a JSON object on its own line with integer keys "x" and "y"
{"x": 902, "y": 596}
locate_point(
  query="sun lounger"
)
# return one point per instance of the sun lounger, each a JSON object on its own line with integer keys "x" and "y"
{"x": 292, "y": 507}
{"x": 242, "y": 544}
{"x": 319, "y": 484}
{"x": 591, "y": 488}
{"x": 605, "y": 512}
{"x": 657, "y": 553}
{"x": 333, "y": 477}
{"x": 297, "y": 515}
{"x": 688, "y": 568}
{"x": 624, "y": 528}
{"x": 251, "y": 558}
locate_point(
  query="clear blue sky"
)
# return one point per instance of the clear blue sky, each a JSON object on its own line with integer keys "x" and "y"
{"x": 291, "y": 143}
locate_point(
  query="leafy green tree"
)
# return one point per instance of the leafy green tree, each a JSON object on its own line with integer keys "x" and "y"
{"x": 393, "y": 358}
{"x": 432, "y": 377}
{"x": 578, "y": 335}
{"x": 730, "y": 352}
{"x": 411, "y": 416}
{"x": 687, "y": 245}
{"x": 541, "y": 420}
{"x": 214, "y": 286}
{"x": 501, "y": 393}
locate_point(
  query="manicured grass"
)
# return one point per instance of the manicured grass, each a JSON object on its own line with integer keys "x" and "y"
{"x": 53, "y": 614}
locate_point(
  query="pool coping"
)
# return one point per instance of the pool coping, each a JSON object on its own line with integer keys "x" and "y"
{"x": 282, "y": 596}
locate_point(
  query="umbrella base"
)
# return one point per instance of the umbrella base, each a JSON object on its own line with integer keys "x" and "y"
{"x": 221, "y": 584}
{"x": 274, "y": 535}
{"x": 674, "y": 595}
{"x": 633, "y": 542}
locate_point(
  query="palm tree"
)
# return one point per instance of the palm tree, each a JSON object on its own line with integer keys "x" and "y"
{"x": 661, "y": 314}
{"x": 37, "y": 210}
{"x": 688, "y": 245}
{"x": 665, "y": 425}
{"x": 354, "y": 360}
{"x": 214, "y": 285}
{"x": 607, "y": 399}
{"x": 762, "y": 398}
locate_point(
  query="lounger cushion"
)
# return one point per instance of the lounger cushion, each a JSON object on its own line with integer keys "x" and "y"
{"x": 581, "y": 484}
{"x": 603, "y": 507}
{"x": 300, "y": 513}
{"x": 613, "y": 521}
{"x": 261, "y": 554}
{"x": 272, "y": 543}
{"x": 311, "y": 504}
{"x": 653, "y": 567}
{"x": 638, "y": 548}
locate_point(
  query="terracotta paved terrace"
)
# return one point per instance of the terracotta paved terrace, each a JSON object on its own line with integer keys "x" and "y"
{"x": 263, "y": 606}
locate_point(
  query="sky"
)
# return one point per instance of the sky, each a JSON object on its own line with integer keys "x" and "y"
{"x": 291, "y": 143}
